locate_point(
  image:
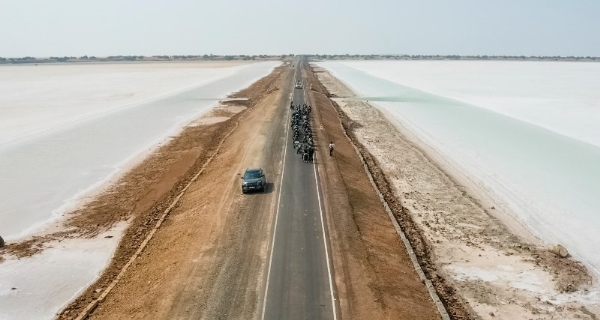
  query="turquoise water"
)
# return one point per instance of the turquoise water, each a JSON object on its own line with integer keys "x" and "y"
{"x": 550, "y": 181}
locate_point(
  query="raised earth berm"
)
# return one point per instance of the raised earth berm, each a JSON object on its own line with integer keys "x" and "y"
{"x": 560, "y": 251}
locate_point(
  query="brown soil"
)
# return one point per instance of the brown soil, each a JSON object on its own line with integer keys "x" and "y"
{"x": 208, "y": 258}
{"x": 143, "y": 194}
{"x": 374, "y": 275}
{"x": 451, "y": 232}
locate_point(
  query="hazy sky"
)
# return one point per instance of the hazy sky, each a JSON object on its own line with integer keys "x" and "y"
{"x": 113, "y": 27}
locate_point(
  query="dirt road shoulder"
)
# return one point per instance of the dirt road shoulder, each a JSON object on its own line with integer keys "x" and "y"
{"x": 374, "y": 276}
{"x": 193, "y": 246}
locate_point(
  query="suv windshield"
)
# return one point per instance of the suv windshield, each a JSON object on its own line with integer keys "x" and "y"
{"x": 254, "y": 174}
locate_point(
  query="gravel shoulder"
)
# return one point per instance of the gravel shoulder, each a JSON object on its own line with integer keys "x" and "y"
{"x": 480, "y": 267}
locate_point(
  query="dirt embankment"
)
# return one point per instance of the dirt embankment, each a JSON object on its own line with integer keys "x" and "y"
{"x": 142, "y": 195}
{"x": 374, "y": 276}
{"x": 455, "y": 306}
{"x": 478, "y": 267}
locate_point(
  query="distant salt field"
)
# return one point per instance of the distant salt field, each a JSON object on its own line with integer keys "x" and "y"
{"x": 527, "y": 133}
{"x": 67, "y": 128}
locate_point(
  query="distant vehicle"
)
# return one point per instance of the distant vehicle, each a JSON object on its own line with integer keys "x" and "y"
{"x": 298, "y": 84}
{"x": 254, "y": 179}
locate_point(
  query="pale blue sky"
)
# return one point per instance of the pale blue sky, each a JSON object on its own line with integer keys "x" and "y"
{"x": 136, "y": 27}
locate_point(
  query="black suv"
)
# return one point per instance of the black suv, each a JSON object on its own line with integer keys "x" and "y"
{"x": 253, "y": 179}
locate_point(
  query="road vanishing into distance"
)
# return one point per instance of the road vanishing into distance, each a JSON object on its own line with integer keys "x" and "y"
{"x": 221, "y": 254}
{"x": 299, "y": 279}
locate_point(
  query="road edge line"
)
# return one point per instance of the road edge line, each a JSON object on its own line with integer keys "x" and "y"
{"x": 329, "y": 273}
{"x": 325, "y": 243}
{"x": 264, "y": 307}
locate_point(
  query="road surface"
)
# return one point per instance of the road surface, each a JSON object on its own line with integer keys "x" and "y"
{"x": 299, "y": 281}
{"x": 222, "y": 254}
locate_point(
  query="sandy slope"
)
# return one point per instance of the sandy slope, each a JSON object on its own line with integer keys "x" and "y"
{"x": 500, "y": 275}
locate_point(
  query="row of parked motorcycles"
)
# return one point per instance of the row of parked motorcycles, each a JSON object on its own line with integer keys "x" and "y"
{"x": 302, "y": 135}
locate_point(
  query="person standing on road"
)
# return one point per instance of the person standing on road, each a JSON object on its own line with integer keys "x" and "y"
{"x": 331, "y": 147}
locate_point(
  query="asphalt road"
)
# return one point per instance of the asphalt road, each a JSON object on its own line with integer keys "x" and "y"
{"x": 299, "y": 280}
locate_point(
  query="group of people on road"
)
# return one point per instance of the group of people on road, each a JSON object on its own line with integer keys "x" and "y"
{"x": 302, "y": 132}
{"x": 302, "y": 136}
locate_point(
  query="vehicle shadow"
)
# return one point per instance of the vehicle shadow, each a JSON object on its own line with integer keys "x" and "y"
{"x": 269, "y": 188}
